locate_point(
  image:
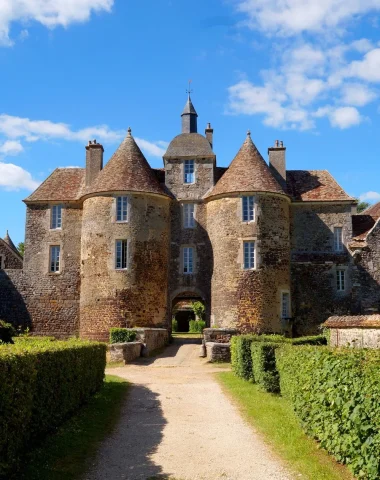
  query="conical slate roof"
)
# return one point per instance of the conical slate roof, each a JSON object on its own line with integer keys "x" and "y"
{"x": 7, "y": 239}
{"x": 127, "y": 170}
{"x": 189, "y": 108}
{"x": 248, "y": 172}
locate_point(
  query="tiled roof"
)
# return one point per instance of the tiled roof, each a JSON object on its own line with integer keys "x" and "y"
{"x": 7, "y": 239}
{"x": 373, "y": 210}
{"x": 248, "y": 172}
{"x": 63, "y": 184}
{"x": 353, "y": 321}
{"x": 189, "y": 108}
{"x": 314, "y": 185}
{"x": 361, "y": 225}
{"x": 219, "y": 172}
{"x": 127, "y": 170}
{"x": 188, "y": 145}
{"x": 160, "y": 174}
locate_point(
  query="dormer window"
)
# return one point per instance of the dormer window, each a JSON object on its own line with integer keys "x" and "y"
{"x": 189, "y": 167}
{"x": 122, "y": 209}
{"x": 248, "y": 209}
{"x": 56, "y": 217}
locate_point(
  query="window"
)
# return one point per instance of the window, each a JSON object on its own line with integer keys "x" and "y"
{"x": 188, "y": 258}
{"x": 338, "y": 239}
{"x": 122, "y": 209}
{"x": 340, "y": 280}
{"x": 55, "y": 258}
{"x": 249, "y": 255}
{"x": 121, "y": 255}
{"x": 188, "y": 215}
{"x": 189, "y": 171}
{"x": 56, "y": 217}
{"x": 248, "y": 209}
{"x": 285, "y": 305}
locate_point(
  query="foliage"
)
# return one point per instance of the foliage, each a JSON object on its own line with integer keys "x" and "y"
{"x": 264, "y": 369}
{"x": 174, "y": 325}
{"x": 6, "y": 332}
{"x": 41, "y": 384}
{"x": 199, "y": 310}
{"x": 196, "y": 326}
{"x": 21, "y": 248}
{"x": 122, "y": 335}
{"x": 336, "y": 395}
{"x": 362, "y": 206}
{"x": 67, "y": 453}
{"x": 313, "y": 340}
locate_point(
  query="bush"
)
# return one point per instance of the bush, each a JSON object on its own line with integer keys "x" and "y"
{"x": 196, "y": 326}
{"x": 6, "y": 332}
{"x": 122, "y": 335}
{"x": 314, "y": 340}
{"x": 336, "y": 395}
{"x": 174, "y": 325}
{"x": 264, "y": 369}
{"x": 42, "y": 384}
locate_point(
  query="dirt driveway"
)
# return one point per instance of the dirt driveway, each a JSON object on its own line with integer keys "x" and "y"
{"x": 178, "y": 424}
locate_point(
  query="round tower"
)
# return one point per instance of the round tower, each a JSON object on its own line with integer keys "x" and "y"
{"x": 248, "y": 225}
{"x": 125, "y": 246}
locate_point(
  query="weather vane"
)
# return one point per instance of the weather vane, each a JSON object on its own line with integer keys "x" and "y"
{"x": 189, "y": 90}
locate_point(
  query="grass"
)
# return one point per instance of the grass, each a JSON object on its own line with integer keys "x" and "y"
{"x": 274, "y": 418}
{"x": 67, "y": 454}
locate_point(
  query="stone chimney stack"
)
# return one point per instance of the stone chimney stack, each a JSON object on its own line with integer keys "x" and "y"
{"x": 277, "y": 163}
{"x": 94, "y": 160}
{"x": 209, "y": 132}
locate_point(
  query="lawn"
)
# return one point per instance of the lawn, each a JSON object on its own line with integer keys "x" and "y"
{"x": 273, "y": 417}
{"x": 67, "y": 454}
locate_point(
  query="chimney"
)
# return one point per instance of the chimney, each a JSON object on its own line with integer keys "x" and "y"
{"x": 277, "y": 163}
{"x": 94, "y": 160}
{"x": 209, "y": 132}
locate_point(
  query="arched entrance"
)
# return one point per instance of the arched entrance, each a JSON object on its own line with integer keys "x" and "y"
{"x": 182, "y": 309}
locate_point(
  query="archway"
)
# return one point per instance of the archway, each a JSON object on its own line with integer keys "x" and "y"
{"x": 182, "y": 310}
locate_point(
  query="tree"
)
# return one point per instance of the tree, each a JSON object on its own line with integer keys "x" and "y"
{"x": 20, "y": 248}
{"x": 199, "y": 310}
{"x": 363, "y": 206}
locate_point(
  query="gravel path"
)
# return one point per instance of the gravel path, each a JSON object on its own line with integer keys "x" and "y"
{"x": 178, "y": 424}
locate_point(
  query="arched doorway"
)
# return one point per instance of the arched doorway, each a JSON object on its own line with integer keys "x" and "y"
{"x": 182, "y": 309}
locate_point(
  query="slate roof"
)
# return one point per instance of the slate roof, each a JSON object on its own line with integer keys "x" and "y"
{"x": 189, "y": 108}
{"x": 361, "y": 225}
{"x": 63, "y": 184}
{"x": 353, "y": 321}
{"x": 314, "y": 185}
{"x": 248, "y": 172}
{"x": 9, "y": 243}
{"x": 189, "y": 145}
{"x": 127, "y": 170}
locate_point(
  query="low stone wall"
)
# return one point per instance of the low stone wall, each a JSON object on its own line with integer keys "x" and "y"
{"x": 152, "y": 338}
{"x": 125, "y": 352}
{"x": 355, "y": 337}
{"x": 219, "y": 335}
{"x": 218, "y": 352}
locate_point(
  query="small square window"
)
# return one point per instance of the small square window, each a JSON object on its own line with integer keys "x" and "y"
{"x": 341, "y": 280}
{"x": 55, "y": 259}
{"x": 188, "y": 215}
{"x": 248, "y": 209}
{"x": 56, "y": 217}
{"x": 189, "y": 171}
{"x": 188, "y": 260}
{"x": 122, "y": 209}
{"x": 338, "y": 239}
{"x": 249, "y": 255}
{"x": 285, "y": 305}
{"x": 121, "y": 255}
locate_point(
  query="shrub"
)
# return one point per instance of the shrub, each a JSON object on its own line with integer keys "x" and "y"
{"x": 264, "y": 368}
{"x": 122, "y": 335}
{"x": 174, "y": 325}
{"x": 196, "y": 326}
{"x": 241, "y": 358}
{"x": 6, "y": 332}
{"x": 313, "y": 340}
{"x": 42, "y": 384}
{"x": 336, "y": 395}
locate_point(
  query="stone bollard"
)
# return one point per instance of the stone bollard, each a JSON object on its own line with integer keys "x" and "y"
{"x": 203, "y": 351}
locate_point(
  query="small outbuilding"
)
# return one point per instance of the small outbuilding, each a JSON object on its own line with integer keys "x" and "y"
{"x": 360, "y": 331}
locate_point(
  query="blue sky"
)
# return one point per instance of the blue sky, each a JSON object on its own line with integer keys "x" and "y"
{"x": 301, "y": 71}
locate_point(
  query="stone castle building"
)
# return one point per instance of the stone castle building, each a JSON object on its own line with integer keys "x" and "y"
{"x": 128, "y": 245}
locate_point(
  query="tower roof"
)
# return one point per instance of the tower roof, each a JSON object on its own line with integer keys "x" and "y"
{"x": 189, "y": 145}
{"x": 189, "y": 108}
{"x": 248, "y": 172}
{"x": 7, "y": 239}
{"x": 127, "y": 170}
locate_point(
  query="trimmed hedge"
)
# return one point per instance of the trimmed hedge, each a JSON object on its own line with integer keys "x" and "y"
{"x": 196, "y": 326}
{"x": 122, "y": 335}
{"x": 6, "y": 332}
{"x": 41, "y": 384}
{"x": 264, "y": 369}
{"x": 336, "y": 395}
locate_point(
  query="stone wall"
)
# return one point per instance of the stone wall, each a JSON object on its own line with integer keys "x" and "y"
{"x": 249, "y": 300}
{"x": 355, "y": 337}
{"x": 218, "y": 352}
{"x": 152, "y": 338}
{"x": 124, "y": 298}
{"x": 219, "y": 335}
{"x": 125, "y": 352}
{"x": 9, "y": 259}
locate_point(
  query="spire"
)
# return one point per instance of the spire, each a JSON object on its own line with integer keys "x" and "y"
{"x": 7, "y": 239}
{"x": 189, "y": 117}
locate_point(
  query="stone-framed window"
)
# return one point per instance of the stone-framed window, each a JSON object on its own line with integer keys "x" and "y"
{"x": 55, "y": 259}
{"x": 189, "y": 171}
{"x": 121, "y": 254}
{"x": 341, "y": 280}
{"x": 285, "y": 305}
{"x": 56, "y": 217}
{"x": 188, "y": 215}
{"x": 122, "y": 209}
{"x": 248, "y": 208}
{"x": 249, "y": 255}
{"x": 188, "y": 260}
{"x": 338, "y": 239}
{"x": 2, "y": 262}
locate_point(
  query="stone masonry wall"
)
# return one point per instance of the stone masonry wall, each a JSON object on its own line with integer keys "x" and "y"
{"x": 124, "y": 298}
{"x": 10, "y": 260}
{"x": 355, "y": 337}
{"x": 249, "y": 300}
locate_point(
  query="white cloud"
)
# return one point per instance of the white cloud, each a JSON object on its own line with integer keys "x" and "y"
{"x": 152, "y": 149}
{"x": 342, "y": 117}
{"x": 50, "y": 13}
{"x": 11, "y": 147}
{"x": 367, "y": 69}
{"x": 357, "y": 94}
{"x": 370, "y": 197}
{"x": 13, "y": 177}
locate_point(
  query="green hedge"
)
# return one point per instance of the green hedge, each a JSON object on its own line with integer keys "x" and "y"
{"x": 41, "y": 384}
{"x": 196, "y": 326}
{"x": 264, "y": 369}
{"x": 6, "y": 332}
{"x": 122, "y": 335}
{"x": 336, "y": 394}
